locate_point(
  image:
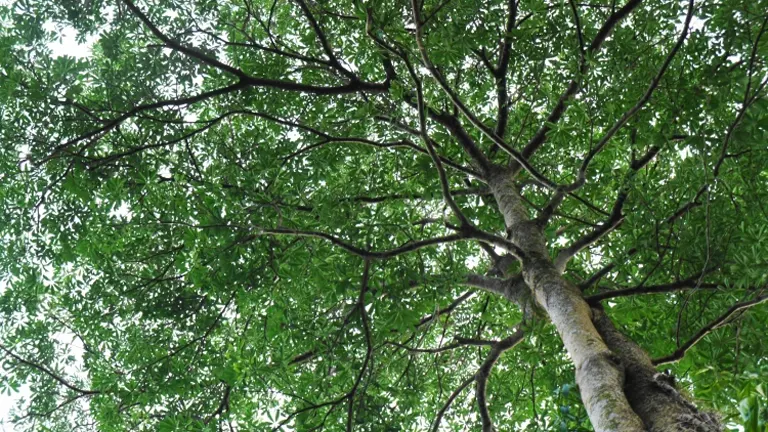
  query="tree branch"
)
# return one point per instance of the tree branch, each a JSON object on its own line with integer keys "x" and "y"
{"x": 540, "y": 137}
{"x": 462, "y": 108}
{"x": 500, "y": 71}
{"x": 682, "y": 285}
{"x": 445, "y": 187}
{"x": 581, "y": 178}
{"x": 458, "y": 343}
{"x": 481, "y": 377}
{"x": 363, "y": 253}
{"x": 490, "y": 284}
{"x": 446, "y": 310}
{"x": 48, "y": 372}
{"x": 332, "y": 59}
{"x": 368, "y": 343}
{"x": 353, "y": 86}
{"x": 715, "y": 324}
{"x": 447, "y": 405}
{"x": 112, "y": 124}
{"x": 616, "y": 216}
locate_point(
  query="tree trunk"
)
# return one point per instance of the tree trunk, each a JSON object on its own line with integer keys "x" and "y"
{"x": 619, "y": 385}
{"x": 652, "y": 395}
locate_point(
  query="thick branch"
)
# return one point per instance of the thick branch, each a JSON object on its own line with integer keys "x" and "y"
{"x": 490, "y": 284}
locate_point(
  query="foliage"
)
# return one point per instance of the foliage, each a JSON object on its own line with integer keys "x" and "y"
{"x": 227, "y": 216}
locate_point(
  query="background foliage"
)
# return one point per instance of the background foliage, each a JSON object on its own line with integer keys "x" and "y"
{"x": 147, "y": 284}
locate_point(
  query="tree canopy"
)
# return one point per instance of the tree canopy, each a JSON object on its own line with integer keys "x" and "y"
{"x": 403, "y": 215}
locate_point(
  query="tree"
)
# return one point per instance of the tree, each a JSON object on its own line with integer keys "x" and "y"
{"x": 403, "y": 215}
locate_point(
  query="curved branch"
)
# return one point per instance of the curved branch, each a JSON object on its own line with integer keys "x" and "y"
{"x": 707, "y": 329}
{"x": 451, "y": 398}
{"x": 350, "y": 395}
{"x": 459, "y": 342}
{"x": 332, "y": 59}
{"x": 615, "y": 218}
{"x": 48, "y": 372}
{"x": 112, "y": 124}
{"x": 683, "y": 285}
{"x": 463, "y": 108}
{"x": 581, "y": 179}
{"x": 409, "y": 247}
{"x": 368, "y": 343}
{"x": 446, "y": 310}
{"x": 747, "y": 102}
{"x": 353, "y": 86}
{"x": 481, "y": 377}
{"x": 394, "y": 144}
